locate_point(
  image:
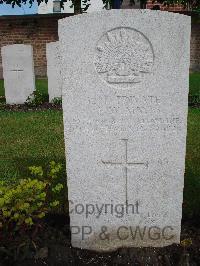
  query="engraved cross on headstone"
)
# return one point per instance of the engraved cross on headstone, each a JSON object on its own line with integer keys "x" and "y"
{"x": 126, "y": 165}
{"x": 17, "y": 70}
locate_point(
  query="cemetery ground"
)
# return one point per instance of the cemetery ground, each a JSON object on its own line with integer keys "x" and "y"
{"x": 33, "y": 136}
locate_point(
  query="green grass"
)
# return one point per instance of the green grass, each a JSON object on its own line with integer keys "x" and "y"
{"x": 192, "y": 171}
{"x": 42, "y": 85}
{"x": 29, "y": 138}
{"x": 2, "y": 91}
{"x": 194, "y": 83}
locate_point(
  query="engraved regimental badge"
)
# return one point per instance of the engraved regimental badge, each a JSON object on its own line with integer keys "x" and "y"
{"x": 123, "y": 56}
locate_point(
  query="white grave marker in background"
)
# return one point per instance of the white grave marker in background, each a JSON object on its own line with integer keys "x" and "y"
{"x": 18, "y": 72}
{"x": 95, "y": 5}
{"x": 53, "y": 70}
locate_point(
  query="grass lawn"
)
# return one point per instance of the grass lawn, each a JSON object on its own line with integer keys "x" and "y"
{"x": 195, "y": 84}
{"x": 29, "y": 138}
{"x": 192, "y": 171}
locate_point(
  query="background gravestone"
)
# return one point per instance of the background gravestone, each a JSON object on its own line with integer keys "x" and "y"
{"x": 18, "y": 72}
{"x": 53, "y": 70}
{"x": 125, "y": 104}
{"x": 95, "y": 5}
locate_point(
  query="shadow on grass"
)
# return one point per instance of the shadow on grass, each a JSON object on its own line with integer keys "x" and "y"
{"x": 191, "y": 198}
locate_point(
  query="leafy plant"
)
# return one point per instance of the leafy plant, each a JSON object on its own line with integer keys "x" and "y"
{"x": 25, "y": 202}
{"x": 36, "y": 99}
{"x": 194, "y": 100}
{"x": 2, "y": 105}
{"x": 57, "y": 101}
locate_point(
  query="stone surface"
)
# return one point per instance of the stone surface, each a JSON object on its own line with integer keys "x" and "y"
{"x": 53, "y": 70}
{"x": 18, "y": 72}
{"x": 125, "y": 118}
{"x": 47, "y": 8}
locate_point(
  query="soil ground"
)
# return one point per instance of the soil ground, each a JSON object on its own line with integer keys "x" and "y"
{"x": 52, "y": 247}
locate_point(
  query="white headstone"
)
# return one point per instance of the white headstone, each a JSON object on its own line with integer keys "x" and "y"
{"x": 125, "y": 108}
{"x": 95, "y": 5}
{"x": 68, "y": 7}
{"x": 48, "y": 8}
{"x": 53, "y": 70}
{"x": 18, "y": 72}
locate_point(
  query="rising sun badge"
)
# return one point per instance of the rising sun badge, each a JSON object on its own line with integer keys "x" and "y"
{"x": 123, "y": 56}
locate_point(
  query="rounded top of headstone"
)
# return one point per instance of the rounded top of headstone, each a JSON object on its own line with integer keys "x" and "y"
{"x": 124, "y": 12}
{"x": 13, "y": 48}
